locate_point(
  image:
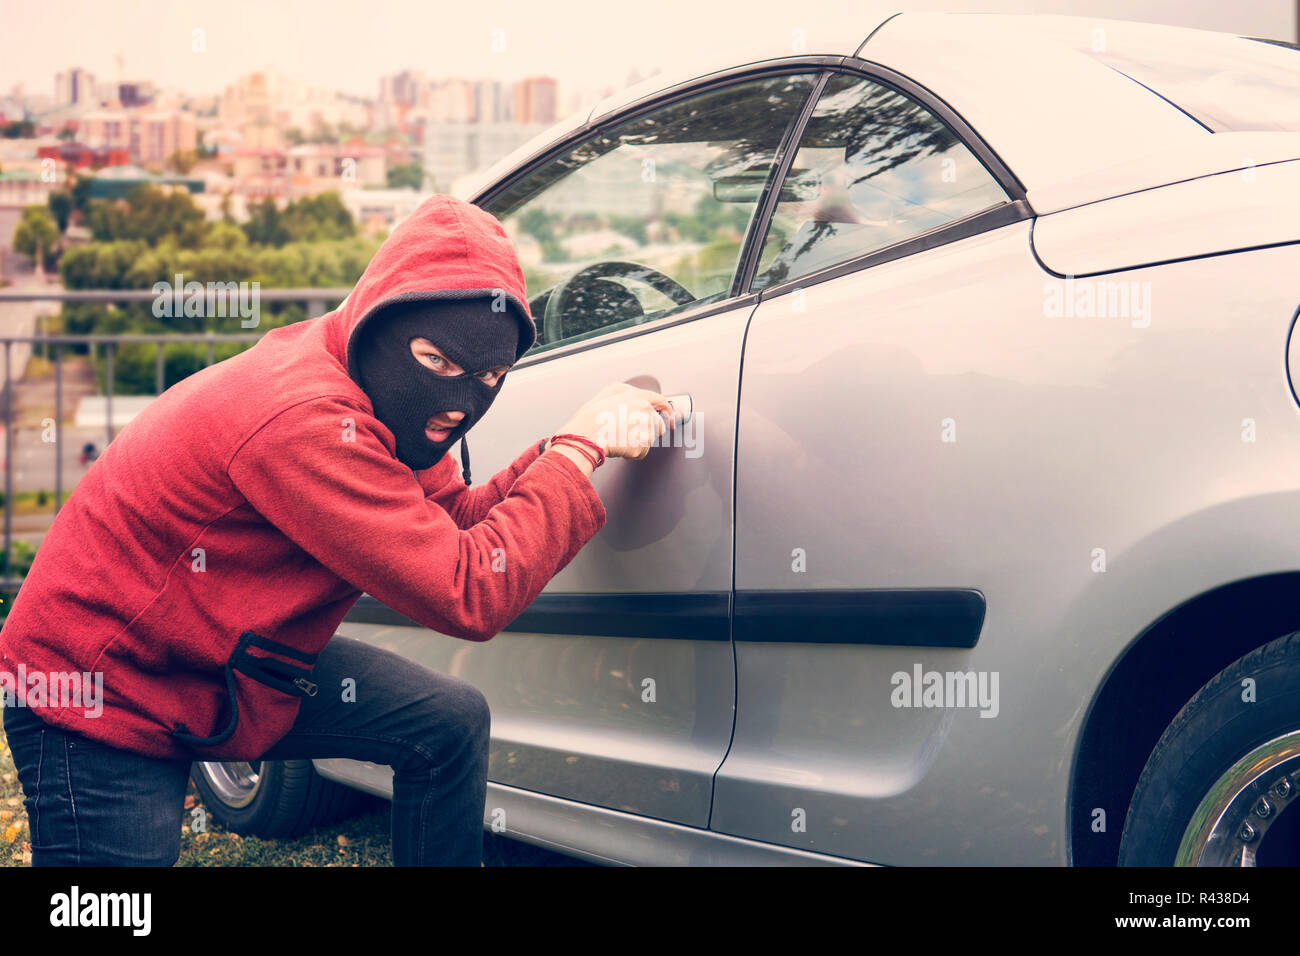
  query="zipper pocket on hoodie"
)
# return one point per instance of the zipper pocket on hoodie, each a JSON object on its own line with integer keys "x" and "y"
{"x": 287, "y": 678}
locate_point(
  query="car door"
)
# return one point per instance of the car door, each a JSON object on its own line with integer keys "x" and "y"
{"x": 616, "y": 687}
{"x": 862, "y": 515}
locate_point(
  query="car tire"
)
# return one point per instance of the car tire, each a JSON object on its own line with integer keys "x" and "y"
{"x": 274, "y": 799}
{"x": 1220, "y": 788}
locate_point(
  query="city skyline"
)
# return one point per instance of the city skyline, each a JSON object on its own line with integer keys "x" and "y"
{"x": 281, "y": 133}
{"x": 526, "y": 100}
{"x": 199, "y": 47}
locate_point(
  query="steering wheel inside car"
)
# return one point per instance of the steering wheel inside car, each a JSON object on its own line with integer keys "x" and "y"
{"x": 553, "y": 317}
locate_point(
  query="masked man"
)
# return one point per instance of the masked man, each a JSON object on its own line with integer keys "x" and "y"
{"x": 203, "y": 563}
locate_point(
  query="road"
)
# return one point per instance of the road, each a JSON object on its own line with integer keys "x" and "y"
{"x": 19, "y": 318}
{"x": 33, "y": 404}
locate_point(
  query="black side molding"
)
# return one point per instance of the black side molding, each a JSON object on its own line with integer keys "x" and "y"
{"x": 913, "y": 617}
{"x": 697, "y": 616}
{"x": 917, "y": 617}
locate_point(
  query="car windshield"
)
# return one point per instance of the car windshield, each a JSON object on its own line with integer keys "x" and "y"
{"x": 1227, "y": 83}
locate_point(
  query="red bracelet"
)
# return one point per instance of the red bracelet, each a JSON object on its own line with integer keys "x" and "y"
{"x": 586, "y": 441}
{"x": 579, "y": 449}
{"x": 595, "y": 462}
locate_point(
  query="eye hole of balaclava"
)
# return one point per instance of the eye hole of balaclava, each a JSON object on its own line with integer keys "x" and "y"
{"x": 406, "y": 393}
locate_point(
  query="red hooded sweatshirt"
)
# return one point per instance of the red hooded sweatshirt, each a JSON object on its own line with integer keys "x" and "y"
{"x": 210, "y": 553}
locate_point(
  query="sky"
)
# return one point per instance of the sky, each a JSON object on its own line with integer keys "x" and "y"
{"x": 586, "y": 44}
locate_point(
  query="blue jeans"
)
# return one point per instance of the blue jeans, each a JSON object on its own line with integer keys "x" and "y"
{"x": 89, "y": 804}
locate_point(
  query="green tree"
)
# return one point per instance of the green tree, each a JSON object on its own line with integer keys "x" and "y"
{"x": 148, "y": 213}
{"x": 313, "y": 219}
{"x": 37, "y": 235}
{"x": 153, "y": 236}
{"x": 319, "y": 219}
{"x": 183, "y": 160}
{"x": 538, "y": 223}
{"x": 409, "y": 176}
{"x": 81, "y": 194}
{"x": 61, "y": 208}
{"x": 105, "y": 220}
{"x": 224, "y": 255}
{"x": 264, "y": 226}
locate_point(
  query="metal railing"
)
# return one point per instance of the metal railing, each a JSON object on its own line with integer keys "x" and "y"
{"x": 317, "y": 301}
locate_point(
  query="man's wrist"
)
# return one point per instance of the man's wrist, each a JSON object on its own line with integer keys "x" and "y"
{"x": 578, "y": 458}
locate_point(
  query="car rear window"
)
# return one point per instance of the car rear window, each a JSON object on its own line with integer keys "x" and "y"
{"x": 1225, "y": 82}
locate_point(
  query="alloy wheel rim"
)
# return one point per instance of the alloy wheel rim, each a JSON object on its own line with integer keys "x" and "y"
{"x": 1233, "y": 818}
{"x": 236, "y": 783}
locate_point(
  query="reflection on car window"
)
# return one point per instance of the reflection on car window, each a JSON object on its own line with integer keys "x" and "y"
{"x": 649, "y": 217}
{"x": 873, "y": 168}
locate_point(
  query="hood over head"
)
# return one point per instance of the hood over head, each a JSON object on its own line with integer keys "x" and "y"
{"x": 451, "y": 267}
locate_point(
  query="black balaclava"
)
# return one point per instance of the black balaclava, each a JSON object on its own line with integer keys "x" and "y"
{"x": 405, "y": 392}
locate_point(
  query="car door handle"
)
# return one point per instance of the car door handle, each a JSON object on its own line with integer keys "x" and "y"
{"x": 683, "y": 407}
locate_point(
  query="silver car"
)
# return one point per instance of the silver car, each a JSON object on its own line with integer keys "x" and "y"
{"x": 981, "y": 544}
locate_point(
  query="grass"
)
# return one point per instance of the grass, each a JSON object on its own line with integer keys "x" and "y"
{"x": 15, "y": 837}
{"x": 38, "y": 367}
{"x": 360, "y": 841}
{"x": 34, "y": 502}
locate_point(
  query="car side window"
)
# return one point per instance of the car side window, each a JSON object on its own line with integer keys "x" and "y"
{"x": 873, "y": 168}
{"x": 648, "y": 217}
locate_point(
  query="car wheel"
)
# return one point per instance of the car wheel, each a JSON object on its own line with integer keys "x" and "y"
{"x": 1220, "y": 787}
{"x": 273, "y": 798}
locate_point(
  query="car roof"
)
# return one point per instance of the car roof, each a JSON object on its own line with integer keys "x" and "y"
{"x": 1024, "y": 82}
{"x": 746, "y": 52}
{"x": 1029, "y": 87}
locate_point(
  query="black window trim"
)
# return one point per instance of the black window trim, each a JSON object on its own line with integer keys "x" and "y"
{"x": 971, "y": 139}
{"x": 985, "y": 220}
{"x": 728, "y": 304}
{"x": 751, "y": 249}
{"x": 815, "y": 67}
{"x": 1015, "y": 209}
{"x": 820, "y": 68}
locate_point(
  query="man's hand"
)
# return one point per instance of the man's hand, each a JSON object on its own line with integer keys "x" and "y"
{"x": 622, "y": 419}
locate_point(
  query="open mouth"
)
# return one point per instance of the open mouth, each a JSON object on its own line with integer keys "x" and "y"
{"x": 439, "y": 429}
